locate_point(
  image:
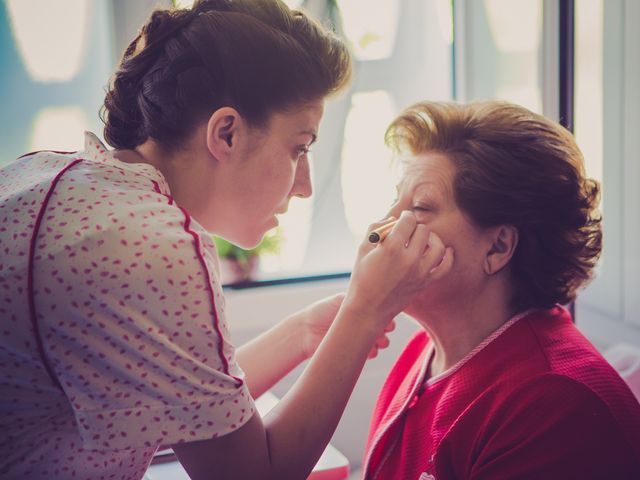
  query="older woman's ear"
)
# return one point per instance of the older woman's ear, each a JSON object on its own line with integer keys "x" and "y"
{"x": 505, "y": 240}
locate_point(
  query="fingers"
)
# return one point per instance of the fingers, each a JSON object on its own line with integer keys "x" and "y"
{"x": 445, "y": 265}
{"x": 382, "y": 222}
{"x": 383, "y": 340}
{"x": 402, "y": 232}
{"x": 337, "y": 298}
{"x": 436, "y": 258}
{"x": 419, "y": 242}
{"x": 366, "y": 246}
{"x": 400, "y": 235}
{"x": 387, "y": 275}
{"x": 434, "y": 254}
{"x": 381, "y": 343}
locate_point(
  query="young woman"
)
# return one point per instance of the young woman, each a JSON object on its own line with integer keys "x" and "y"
{"x": 114, "y": 332}
{"x": 499, "y": 383}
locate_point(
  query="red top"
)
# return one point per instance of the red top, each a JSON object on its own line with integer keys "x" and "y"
{"x": 534, "y": 400}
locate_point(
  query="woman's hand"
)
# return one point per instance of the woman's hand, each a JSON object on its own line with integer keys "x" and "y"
{"x": 316, "y": 319}
{"x": 386, "y": 276}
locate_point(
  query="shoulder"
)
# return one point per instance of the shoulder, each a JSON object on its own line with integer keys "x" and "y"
{"x": 575, "y": 363}
{"x": 549, "y": 424}
{"x": 552, "y": 408}
{"x": 101, "y": 202}
{"x": 544, "y": 399}
{"x": 31, "y": 175}
{"x": 120, "y": 239}
{"x": 144, "y": 243}
{"x": 573, "y": 404}
{"x": 564, "y": 393}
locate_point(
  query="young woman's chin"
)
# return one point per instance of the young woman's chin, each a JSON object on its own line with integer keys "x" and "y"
{"x": 252, "y": 238}
{"x": 248, "y": 243}
{"x": 255, "y": 237}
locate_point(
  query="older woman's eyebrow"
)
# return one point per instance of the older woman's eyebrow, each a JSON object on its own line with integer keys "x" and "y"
{"x": 432, "y": 189}
{"x": 313, "y": 133}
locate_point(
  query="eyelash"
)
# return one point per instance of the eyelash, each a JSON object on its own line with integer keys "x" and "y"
{"x": 421, "y": 208}
{"x": 302, "y": 150}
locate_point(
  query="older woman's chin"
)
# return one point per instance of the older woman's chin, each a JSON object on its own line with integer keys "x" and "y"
{"x": 434, "y": 298}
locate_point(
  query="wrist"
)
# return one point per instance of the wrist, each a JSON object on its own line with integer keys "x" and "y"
{"x": 370, "y": 322}
{"x": 297, "y": 326}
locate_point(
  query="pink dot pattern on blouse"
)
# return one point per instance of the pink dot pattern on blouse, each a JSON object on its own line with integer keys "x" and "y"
{"x": 131, "y": 314}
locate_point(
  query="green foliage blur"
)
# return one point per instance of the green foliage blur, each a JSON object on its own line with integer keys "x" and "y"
{"x": 270, "y": 244}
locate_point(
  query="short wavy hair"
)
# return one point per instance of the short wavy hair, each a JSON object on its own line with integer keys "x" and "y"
{"x": 515, "y": 167}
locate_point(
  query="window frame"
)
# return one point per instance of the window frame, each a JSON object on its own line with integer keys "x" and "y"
{"x": 609, "y": 309}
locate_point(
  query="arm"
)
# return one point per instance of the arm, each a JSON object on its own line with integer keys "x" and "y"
{"x": 297, "y": 430}
{"x": 553, "y": 427}
{"x": 270, "y": 356}
{"x": 295, "y": 433}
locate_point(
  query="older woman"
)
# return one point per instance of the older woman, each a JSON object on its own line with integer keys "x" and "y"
{"x": 499, "y": 383}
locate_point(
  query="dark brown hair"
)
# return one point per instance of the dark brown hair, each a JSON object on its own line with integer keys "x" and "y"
{"x": 256, "y": 56}
{"x": 514, "y": 167}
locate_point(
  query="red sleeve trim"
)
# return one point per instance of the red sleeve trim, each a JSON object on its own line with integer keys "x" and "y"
{"x": 30, "y": 273}
{"x": 216, "y": 322}
{"x": 198, "y": 248}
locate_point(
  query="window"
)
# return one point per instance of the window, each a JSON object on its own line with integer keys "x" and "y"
{"x": 607, "y": 125}
{"x": 498, "y": 51}
{"x": 52, "y": 89}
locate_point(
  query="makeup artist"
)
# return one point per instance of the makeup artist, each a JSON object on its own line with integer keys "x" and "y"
{"x": 114, "y": 335}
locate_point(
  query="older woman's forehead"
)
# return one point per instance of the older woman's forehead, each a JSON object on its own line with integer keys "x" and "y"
{"x": 429, "y": 171}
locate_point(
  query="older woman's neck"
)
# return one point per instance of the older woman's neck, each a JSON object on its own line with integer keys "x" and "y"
{"x": 457, "y": 328}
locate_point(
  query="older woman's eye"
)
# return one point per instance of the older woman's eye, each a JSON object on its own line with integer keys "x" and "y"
{"x": 422, "y": 208}
{"x": 302, "y": 150}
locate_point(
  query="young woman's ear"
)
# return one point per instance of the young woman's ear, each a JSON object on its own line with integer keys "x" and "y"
{"x": 505, "y": 241}
{"x": 222, "y": 130}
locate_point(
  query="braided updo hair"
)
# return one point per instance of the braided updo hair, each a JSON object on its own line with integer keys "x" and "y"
{"x": 256, "y": 56}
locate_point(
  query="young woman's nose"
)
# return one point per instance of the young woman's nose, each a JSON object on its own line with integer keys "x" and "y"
{"x": 302, "y": 181}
